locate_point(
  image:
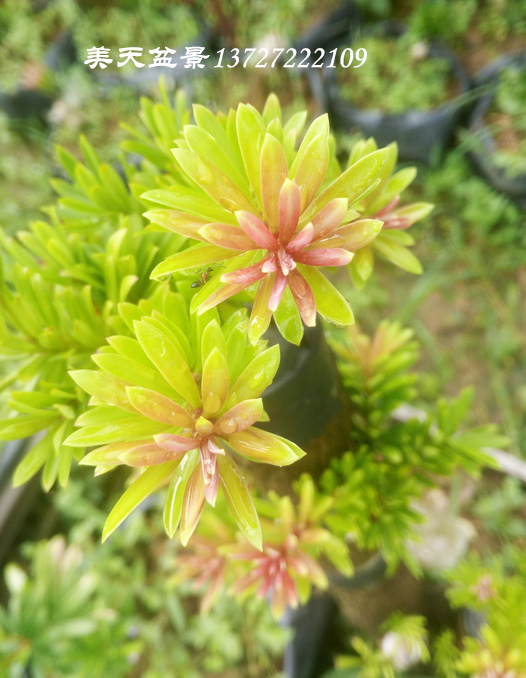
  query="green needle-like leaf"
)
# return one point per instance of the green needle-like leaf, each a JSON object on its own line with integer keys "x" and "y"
{"x": 204, "y": 144}
{"x": 164, "y": 355}
{"x": 261, "y": 314}
{"x": 212, "y": 338}
{"x": 193, "y": 502}
{"x": 329, "y": 302}
{"x": 174, "y": 499}
{"x": 397, "y": 254}
{"x": 34, "y": 460}
{"x": 251, "y": 132}
{"x": 190, "y": 201}
{"x": 239, "y": 500}
{"x": 273, "y": 172}
{"x": 126, "y": 369}
{"x": 24, "y": 426}
{"x": 192, "y": 258}
{"x": 212, "y": 180}
{"x": 265, "y": 447}
{"x": 159, "y": 408}
{"x": 288, "y": 319}
{"x": 255, "y": 378}
{"x": 122, "y": 429}
{"x": 351, "y": 184}
{"x": 104, "y": 387}
{"x": 141, "y": 488}
{"x": 215, "y": 382}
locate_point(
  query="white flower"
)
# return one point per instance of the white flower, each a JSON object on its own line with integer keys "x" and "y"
{"x": 403, "y": 652}
{"x": 419, "y": 51}
{"x": 69, "y": 109}
{"x": 442, "y": 539}
{"x": 65, "y": 112}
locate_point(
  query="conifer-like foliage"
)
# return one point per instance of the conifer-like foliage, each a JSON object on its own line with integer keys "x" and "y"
{"x": 493, "y": 589}
{"x": 275, "y": 212}
{"x": 133, "y": 319}
{"x": 175, "y": 399}
{"x": 365, "y": 498}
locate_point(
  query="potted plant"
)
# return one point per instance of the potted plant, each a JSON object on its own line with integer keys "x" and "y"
{"x": 477, "y": 31}
{"x": 136, "y": 320}
{"x": 240, "y": 25}
{"x": 29, "y": 67}
{"x": 78, "y": 607}
{"x": 331, "y": 29}
{"x": 496, "y": 138}
{"x": 490, "y": 586}
{"x": 406, "y": 90}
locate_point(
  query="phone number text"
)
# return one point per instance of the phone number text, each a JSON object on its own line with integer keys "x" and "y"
{"x": 291, "y": 58}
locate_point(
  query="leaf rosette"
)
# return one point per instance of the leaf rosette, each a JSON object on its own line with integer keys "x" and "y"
{"x": 383, "y": 203}
{"x": 268, "y": 213}
{"x": 179, "y": 414}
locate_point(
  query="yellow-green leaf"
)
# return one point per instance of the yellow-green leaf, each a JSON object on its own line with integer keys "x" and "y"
{"x": 329, "y": 302}
{"x": 174, "y": 499}
{"x": 255, "y": 378}
{"x": 239, "y": 500}
{"x": 214, "y": 383}
{"x": 265, "y": 447}
{"x": 141, "y": 488}
{"x": 159, "y": 408}
{"x": 165, "y": 356}
{"x": 193, "y": 502}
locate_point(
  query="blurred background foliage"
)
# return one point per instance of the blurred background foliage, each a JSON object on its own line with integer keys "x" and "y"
{"x": 65, "y": 598}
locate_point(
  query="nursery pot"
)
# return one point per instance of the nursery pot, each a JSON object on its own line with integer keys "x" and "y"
{"x": 306, "y": 403}
{"x": 305, "y": 393}
{"x": 419, "y": 134}
{"x": 483, "y": 155}
{"x": 341, "y": 24}
{"x": 15, "y": 502}
{"x": 62, "y": 53}
{"x": 331, "y": 30}
{"x": 26, "y": 103}
{"x": 361, "y": 602}
{"x": 320, "y": 631}
{"x": 318, "y": 636}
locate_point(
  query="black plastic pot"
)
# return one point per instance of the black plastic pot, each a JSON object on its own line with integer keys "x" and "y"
{"x": 320, "y": 633}
{"x": 15, "y": 502}
{"x": 340, "y": 25}
{"x": 421, "y": 135}
{"x": 368, "y": 573}
{"x": 328, "y": 33}
{"x": 482, "y": 153}
{"x": 62, "y": 53}
{"x": 26, "y": 103}
{"x": 472, "y": 622}
{"x": 305, "y": 394}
